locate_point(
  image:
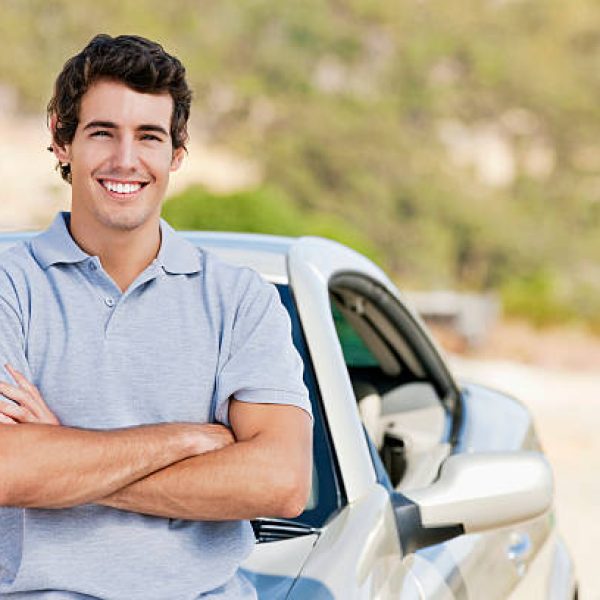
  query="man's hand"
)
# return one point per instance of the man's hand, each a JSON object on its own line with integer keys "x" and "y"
{"x": 86, "y": 465}
{"x": 267, "y": 472}
{"x": 30, "y": 407}
{"x": 206, "y": 437}
{"x": 157, "y": 470}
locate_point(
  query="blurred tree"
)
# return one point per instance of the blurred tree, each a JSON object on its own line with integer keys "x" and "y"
{"x": 460, "y": 137}
{"x": 262, "y": 210}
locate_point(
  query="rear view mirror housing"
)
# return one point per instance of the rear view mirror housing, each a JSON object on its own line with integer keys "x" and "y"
{"x": 474, "y": 492}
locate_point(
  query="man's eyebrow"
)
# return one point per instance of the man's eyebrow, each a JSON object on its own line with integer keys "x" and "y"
{"x": 104, "y": 124}
{"x": 151, "y": 127}
{"x": 111, "y": 125}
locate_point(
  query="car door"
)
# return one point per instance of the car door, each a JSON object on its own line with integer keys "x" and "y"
{"x": 415, "y": 416}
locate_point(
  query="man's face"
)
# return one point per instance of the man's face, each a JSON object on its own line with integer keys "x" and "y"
{"x": 120, "y": 157}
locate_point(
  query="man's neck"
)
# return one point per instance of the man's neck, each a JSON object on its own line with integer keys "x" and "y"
{"x": 124, "y": 254}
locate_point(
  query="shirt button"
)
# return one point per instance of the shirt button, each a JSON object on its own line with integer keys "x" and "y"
{"x": 110, "y": 302}
{"x": 93, "y": 266}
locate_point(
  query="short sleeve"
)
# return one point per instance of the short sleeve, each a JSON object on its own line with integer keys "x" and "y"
{"x": 12, "y": 336}
{"x": 263, "y": 366}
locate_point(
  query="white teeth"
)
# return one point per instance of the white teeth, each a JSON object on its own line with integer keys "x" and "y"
{"x": 121, "y": 188}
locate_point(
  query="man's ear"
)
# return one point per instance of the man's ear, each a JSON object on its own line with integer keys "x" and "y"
{"x": 177, "y": 159}
{"x": 62, "y": 153}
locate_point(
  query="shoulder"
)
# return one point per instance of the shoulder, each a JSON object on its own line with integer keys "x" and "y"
{"x": 18, "y": 270}
{"x": 233, "y": 280}
{"x": 17, "y": 267}
{"x": 237, "y": 292}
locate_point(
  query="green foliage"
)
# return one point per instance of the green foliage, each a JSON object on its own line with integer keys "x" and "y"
{"x": 544, "y": 298}
{"x": 261, "y": 210}
{"x": 537, "y": 298}
{"x": 254, "y": 211}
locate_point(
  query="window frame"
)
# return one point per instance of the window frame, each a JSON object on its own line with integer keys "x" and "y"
{"x": 414, "y": 335}
{"x": 324, "y": 457}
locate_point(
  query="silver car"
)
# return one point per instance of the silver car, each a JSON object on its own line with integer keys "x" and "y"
{"x": 423, "y": 487}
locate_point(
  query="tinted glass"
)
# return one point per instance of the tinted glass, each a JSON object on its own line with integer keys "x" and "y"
{"x": 327, "y": 495}
{"x": 356, "y": 353}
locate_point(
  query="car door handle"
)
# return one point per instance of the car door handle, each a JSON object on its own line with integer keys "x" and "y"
{"x": 519, "y": 550}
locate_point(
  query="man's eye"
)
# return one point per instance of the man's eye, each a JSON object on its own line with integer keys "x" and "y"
{"x": 100, "y": 133}
{"x": 149, "y": 136}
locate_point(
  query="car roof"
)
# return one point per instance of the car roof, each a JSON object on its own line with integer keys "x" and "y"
{"x": 265, "y": 253}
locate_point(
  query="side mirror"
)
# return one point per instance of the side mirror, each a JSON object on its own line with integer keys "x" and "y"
{"x": 474, "y": 492}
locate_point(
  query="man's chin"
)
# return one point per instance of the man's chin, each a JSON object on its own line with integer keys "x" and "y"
{"x": 124, "y": 221}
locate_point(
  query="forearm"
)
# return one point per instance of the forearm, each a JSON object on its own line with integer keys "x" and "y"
{"x": 57, "y": 467}
{"x": 242, "y": 481}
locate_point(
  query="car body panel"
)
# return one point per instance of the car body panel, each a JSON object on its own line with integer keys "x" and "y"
{"x": 562, "y": 582}
{"x": 308, "y": 279}
{"x": 265, "y": 254}
{"x": 357, "y": 554}
{"x": 274, "y": 567}
{"x": 493, "y": 421}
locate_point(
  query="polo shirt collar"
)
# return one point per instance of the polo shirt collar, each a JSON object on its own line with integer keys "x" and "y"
{"x": 55, "y": 245}
{"x": 176, "y": 254}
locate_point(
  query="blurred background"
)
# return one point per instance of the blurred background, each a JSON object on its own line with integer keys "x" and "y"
{"x": 456, "y": 143}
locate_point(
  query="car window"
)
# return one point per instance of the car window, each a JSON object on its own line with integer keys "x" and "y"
{"x": 327, "y": 494}
{"x": 356, "y": 353}
{"x": 399, "y": 401}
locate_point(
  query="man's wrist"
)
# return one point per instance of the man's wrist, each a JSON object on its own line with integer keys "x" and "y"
{"x": 178, "y": 440}
{"x": 193, "y": 439}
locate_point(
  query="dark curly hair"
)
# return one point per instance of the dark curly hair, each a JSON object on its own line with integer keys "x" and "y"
{"x": 137, "y": 62}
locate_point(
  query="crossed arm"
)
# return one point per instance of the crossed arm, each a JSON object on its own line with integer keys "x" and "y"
{"x": 178, "y": 470}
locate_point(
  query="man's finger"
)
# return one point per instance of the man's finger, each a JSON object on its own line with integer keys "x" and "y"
{"x": 7, "y": 420}
{"x": 16, "y": 413}
{"x": 28, "y": 396}
{"x": 14, "y": 393}
{"x": 31, "y": 399}
{"x": 25, "y": 384}
{"x": 21, "y": 397}
{"x": 21, "y": 380}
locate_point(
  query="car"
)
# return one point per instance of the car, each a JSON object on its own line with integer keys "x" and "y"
{"x": 423, "y": 487}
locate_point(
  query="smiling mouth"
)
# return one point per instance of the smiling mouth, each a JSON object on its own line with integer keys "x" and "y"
{"x": 122, "y": 188}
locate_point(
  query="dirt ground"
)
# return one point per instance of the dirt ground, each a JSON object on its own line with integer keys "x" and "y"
{"x": 557, "y": 375}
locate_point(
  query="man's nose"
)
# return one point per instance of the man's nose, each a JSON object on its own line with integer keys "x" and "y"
{"x": 125, "y": 157}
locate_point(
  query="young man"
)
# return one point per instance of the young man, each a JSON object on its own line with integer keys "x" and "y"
{"x": 152, "y": 400}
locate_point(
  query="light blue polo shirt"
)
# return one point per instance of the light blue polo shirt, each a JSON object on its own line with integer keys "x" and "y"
{"x": 188, "y": 334}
